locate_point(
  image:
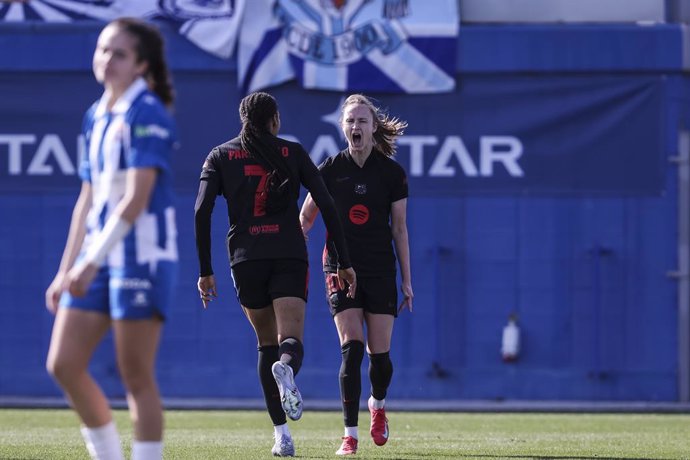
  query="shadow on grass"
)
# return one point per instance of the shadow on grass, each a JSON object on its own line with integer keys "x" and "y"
{"x": 418, "y": 455}
{"x": 562, "y": 457}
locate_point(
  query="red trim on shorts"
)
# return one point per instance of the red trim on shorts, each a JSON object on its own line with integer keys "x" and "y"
{"x": 306, "y": 283}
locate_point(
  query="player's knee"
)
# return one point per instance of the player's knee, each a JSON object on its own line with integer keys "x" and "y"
{"x": 136, "y": 377}
{"x": 62, "y": 370}
{"x": 53, "y": 369}
{"x": 352, "y": 355}
{"x": 137, "y": 383}
{"x": 381, "y": 364}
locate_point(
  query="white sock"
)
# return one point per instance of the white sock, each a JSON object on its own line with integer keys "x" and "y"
{"x": 281, "y": 430}
{"x": 103, "y": 443}
{"x": 147, "y": 450}
{"x": 376, "y": 403}
{"x": 351, "y": 431}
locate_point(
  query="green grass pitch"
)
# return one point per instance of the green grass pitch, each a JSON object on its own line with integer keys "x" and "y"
{"x": 54, "y": 434}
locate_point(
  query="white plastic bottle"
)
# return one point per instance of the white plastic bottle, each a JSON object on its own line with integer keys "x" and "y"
{"x": 510, "y": 345}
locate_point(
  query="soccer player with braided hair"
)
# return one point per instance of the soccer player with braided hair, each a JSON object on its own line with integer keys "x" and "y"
{"x": 370, "y": 191}
{"x": 259, "y": 175}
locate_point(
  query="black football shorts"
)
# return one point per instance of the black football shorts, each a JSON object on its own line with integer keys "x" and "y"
{"x": 376, "y": 294}
{"x": 259, "y": 282}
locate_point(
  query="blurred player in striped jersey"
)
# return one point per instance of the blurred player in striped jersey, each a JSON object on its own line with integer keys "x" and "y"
{"x": 120, "y": 260}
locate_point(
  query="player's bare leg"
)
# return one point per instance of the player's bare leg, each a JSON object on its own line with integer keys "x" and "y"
{"x": 76, "y": 334}
{"x": 136, "y": 343}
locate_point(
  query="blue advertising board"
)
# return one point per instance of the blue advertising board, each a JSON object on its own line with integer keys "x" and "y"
{"x": 584, "y": 134}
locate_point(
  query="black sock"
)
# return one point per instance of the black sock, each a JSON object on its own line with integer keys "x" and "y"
{"x": 351, "y": 380}
{"x": 268, "y": 354}
{"x": 380, "y": 374}
{"x": 291, "y": 353}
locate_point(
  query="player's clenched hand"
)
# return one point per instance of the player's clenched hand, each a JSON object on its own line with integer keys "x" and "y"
{"x": 347, "y": 275}
{"x": 54, "y": 292}
{"x": 79, "y": 278}
{"x": 207, "y": 289}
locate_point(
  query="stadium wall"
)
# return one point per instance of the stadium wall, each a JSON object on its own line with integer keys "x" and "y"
{"x": 542, "y": 186}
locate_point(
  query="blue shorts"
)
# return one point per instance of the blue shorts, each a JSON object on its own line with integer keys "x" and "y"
{"x": 129, "y": 292}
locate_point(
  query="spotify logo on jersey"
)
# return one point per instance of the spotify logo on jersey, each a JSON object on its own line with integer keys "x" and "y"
{"x": 359, "y": 214}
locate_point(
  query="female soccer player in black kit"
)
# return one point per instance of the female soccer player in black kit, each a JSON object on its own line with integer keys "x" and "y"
{"x": 370, "y": 190}
{"x": 259, "y": 175}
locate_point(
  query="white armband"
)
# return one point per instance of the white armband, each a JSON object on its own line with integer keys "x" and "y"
{"x": 115, "y": 229}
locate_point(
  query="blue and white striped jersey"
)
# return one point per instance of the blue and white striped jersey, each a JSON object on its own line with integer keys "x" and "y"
{"x": 137, "y": 133}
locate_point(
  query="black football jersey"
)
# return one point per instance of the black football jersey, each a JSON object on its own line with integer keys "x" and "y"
{"x": 363, "y": 197}
{"x": 255, "y": 233}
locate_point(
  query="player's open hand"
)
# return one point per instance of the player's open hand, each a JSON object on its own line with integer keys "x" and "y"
{"x": 207, "y": 289}
{"x": 347, "y": 278}
{"x": 408, "y": 295}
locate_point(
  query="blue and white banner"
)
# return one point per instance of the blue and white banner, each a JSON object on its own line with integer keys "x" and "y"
{"x": 212, "y": 25}
{"x": 399, "y": 46}
{"x": 396, "y": 46}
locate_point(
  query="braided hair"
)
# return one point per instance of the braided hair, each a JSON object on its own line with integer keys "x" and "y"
{"x": 387, "y": 128}
{"x": 256, "y": 111}
{"x": 150, "y": 48}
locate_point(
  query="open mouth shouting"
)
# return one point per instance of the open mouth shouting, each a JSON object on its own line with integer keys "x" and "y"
{"x": 357, "y": 140}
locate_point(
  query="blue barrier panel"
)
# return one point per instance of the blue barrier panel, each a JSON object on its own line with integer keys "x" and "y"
{"x": 548, "y": 194}
{"x": 577, "y": 245}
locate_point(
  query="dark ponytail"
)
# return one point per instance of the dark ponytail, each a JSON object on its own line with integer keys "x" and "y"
{"x": 256, "y": 111}
{"x": 150, "y": 47}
